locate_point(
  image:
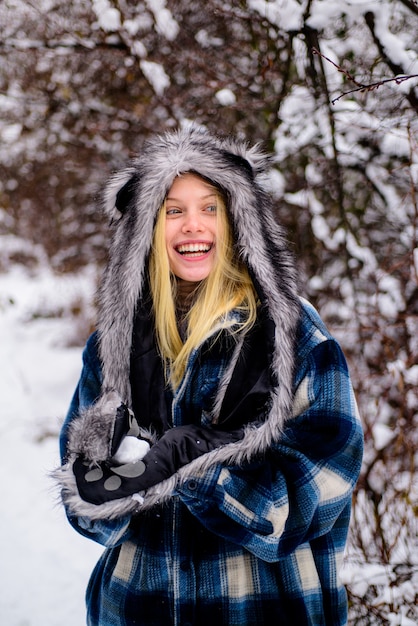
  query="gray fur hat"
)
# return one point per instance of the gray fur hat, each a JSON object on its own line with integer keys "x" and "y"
{"x": 132, "y": 200}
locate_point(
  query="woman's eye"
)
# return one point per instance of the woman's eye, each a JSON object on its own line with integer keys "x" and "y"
{"x": 172, "y": 211}
{"x": 211, "y": 208}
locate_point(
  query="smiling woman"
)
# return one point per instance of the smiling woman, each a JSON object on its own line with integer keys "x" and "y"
{"x": 238, "y": 513}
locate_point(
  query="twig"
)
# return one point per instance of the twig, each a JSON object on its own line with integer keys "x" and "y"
{"x": 361, "y": 86}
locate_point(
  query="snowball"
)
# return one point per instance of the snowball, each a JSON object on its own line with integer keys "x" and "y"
{"x": 131, "y": 450}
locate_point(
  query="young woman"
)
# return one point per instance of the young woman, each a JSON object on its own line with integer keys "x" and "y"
{"x": 207, "y": 362}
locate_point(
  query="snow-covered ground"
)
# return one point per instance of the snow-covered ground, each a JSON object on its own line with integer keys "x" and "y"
{"x": 45, "y": 564}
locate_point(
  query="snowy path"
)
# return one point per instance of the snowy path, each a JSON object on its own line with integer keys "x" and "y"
{"x": 45, "y": 564}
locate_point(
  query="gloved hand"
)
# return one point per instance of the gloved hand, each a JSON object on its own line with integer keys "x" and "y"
{"x": 178, "y": 447}
{"x": 104, "y": 482}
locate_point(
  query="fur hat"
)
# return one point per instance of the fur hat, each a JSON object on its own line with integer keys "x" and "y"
{"x": 132, "y": 200}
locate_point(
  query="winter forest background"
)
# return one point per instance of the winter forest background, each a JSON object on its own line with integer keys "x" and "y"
{"x": 329, "y": 87}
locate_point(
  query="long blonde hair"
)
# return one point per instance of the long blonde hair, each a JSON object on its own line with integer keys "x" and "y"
{"x": 227, "y": 287}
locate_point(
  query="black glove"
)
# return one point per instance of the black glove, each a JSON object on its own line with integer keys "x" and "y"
{"x": 178, "y": 447}
{"x": 104, "y": 482}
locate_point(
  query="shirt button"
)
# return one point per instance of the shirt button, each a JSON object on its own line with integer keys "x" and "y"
{"x": 192, "y": 485}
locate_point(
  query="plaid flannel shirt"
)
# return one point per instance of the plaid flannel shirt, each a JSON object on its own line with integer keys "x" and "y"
{"x": 254, "y": 545}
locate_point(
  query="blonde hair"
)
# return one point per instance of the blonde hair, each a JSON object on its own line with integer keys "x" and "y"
{"x": 227, "y": 287}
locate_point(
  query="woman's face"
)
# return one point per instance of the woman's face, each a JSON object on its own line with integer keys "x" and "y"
{"x": 191, "y": 227}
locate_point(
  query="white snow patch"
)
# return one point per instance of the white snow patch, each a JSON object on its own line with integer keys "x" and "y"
{"x": 382, "y": 436}
{"x": 226, "y": 97}
{"x": 411, "y": 375}
{"x": 138, "y": 49}
{"x": 10, "y": 132}
{"x": 287, "y": 14}
{"x": 132, "y": 26}
{"x": 156, "y": 76}
{"x": 108, "y": 17}
{"x": 165, "y": 23}
{"x": 205, "y": 40}
{"x": 45, "y": 563}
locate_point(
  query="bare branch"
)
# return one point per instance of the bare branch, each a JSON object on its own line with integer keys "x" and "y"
{"x": 360, "y": 86}
{"x": 373, "y": 86}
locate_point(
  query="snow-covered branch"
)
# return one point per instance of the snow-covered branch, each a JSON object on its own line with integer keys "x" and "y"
{"x": 394, "y": 64}
{"x": 362, "y": 87}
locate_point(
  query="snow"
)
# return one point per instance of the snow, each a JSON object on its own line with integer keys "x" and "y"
{"x": 393, "y": 45}
{"x": 108, "y": 17}
{"x": 288, "y": 14}
{"x": 131, "y": 450}
{"x": 156, "y": 76}
{"x": 45, "y": 563}
{"x": 11, "y": 132}
{"x": 382, "y": 436}
{"x": 139, "y": 50}
{"x": 205, "y": 40}
{"x": 411, "y": 376}
{"x": 225, "y": 97}
{"x": 165, "y": 23}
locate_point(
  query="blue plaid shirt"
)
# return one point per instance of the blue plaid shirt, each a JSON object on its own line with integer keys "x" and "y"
{"x": 254, "y": 545}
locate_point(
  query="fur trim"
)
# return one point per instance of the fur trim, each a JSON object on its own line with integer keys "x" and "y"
{"x": 226, "y": 379}
{"x": 90, "y": 435}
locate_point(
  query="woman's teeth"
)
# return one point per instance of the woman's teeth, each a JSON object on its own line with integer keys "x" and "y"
{"x": 194, "y": 249}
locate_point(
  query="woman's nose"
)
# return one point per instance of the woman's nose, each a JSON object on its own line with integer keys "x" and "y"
{"x": 192, "y": 222}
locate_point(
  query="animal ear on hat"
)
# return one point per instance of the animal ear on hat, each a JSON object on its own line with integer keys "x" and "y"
{"x": 120, "y": 192}
{"x": 253, "y": 158}
{"x": 239, "y": 161}
{"x": 125, "y": 195}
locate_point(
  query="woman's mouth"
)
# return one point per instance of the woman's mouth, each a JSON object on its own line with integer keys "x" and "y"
{"x": 192, "y": 250}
